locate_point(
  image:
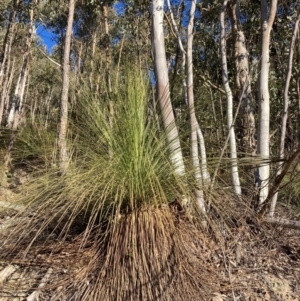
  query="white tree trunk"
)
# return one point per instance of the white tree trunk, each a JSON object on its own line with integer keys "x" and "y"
{"x": 263, "y": 142}
{"x": 162, "y": 85}
{"x": 17, "y": 102}
{"x": 285, "y": 110}
{"x": 204, "y": 170}
{"x": 6, "y": 88}
{"x": 62, "y": 135}
{"x": 193, "y": 121}
{"x": 232, "y": 141}
{"x": 7, "y": 44}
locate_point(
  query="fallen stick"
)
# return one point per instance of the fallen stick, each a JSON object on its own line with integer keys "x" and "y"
{"x": 285, "y": 223}
{"x": 35, "y": 295}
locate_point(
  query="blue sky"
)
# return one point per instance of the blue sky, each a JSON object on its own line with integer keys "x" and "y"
{"x": 47, "y": 36}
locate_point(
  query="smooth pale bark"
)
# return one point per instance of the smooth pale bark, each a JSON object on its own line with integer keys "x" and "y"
{"x": 17, "y": 102}
{"x": 176, "y": 28}
{"x": 232, "y": 141}
{"x": 7, "y": 44}
{"x": 285, "y": 110}
{"x": 204, "y": 170}
{"x": 6, "y": 87}
{"x": 202, "y": 148}
{"x": 190, "y": 97}
{"x": 162, "y": 86}
{"x": 242, "y": 78}
{"x": 263, "y": 143}
{"x": 63, "y": 124}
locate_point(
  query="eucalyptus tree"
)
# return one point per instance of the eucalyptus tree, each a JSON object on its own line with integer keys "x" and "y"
{"x": 63, "y": 119}
{"x": 263, "y": 145}
{"x": 230, "y": 125}
{"x": 6, "y": 70}
{"x": 17, "y": 101}
{"x": 8, "y": 38}
{"x": 162, "y": 86}
{"x": 242, "y": 77}
{"x": 285, "y": 109}
{"x": 190, "y": 98}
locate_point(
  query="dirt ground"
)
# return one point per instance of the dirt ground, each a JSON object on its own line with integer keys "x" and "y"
{"x": 266, "y": 267}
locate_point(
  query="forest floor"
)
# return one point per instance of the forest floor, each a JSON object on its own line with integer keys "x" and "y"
{"x": 253, "y": 268}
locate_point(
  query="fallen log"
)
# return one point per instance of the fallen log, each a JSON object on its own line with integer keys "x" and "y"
{"x": 285, "y": 223}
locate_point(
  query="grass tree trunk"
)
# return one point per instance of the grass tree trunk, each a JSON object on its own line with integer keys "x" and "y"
{"x": 190, "y": 97}
{"x": 285, "y": 110}
{"x": 63, "y": 124}
{"x": 232, "y": 140}
{"x": 263, "y": 143}
{"x": 242, "y": 78}
{"x": 162, "y": 86}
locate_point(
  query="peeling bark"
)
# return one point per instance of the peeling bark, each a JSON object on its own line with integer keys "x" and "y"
{"x": 242, "y": 78}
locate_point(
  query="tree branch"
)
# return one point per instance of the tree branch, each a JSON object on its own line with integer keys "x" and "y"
{"x": 49, "y": 58}
{"x": 285, "y": 223}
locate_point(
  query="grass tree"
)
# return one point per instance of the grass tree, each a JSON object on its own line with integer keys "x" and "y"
{"x": 120, "y": 204}
{"x": 263, "y": 143}
{"x": 232, "y": 140}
